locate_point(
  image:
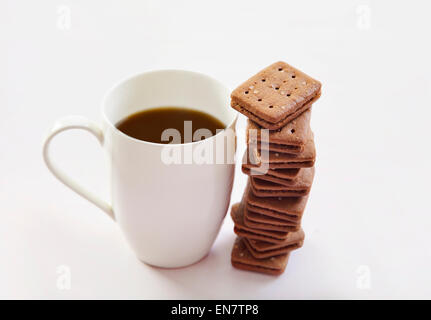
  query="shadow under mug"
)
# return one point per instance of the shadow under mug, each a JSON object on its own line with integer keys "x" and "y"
{"x": 169, "y": 213}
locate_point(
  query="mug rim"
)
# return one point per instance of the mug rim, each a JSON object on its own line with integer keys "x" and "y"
{"x": 136, "y": 75}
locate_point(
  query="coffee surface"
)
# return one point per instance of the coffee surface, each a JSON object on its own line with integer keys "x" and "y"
{"x": 148, "y": 125}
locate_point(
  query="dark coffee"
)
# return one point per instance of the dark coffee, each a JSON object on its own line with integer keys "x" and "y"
{"x": 148, "y": 125}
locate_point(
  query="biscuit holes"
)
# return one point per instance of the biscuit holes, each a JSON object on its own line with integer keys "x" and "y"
{"x": 276, "y": 88}
{"x": 259, "y": 99}
{"x": 292, "y": 130}
{"x": 293, "y": 76}
{"x": 263, "y": 80}
{"x": 271, "y": 107}
{"x": 280, "y": 69}
{"x": 288, "y": 95}
{"x": 246, "y": 92}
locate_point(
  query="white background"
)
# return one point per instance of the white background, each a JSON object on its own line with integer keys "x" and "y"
{"x": 368, "y": 220}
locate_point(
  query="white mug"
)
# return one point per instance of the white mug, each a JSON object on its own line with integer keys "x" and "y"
{"x": 169, "y": 213}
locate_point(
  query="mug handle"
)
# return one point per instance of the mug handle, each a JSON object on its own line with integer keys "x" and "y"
{"x": 75, "y": 122}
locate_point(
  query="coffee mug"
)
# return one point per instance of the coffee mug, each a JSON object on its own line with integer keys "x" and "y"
{"x": 170, "y": 213}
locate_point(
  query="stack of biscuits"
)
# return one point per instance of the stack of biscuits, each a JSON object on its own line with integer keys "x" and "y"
{"x": 280, "y": 164}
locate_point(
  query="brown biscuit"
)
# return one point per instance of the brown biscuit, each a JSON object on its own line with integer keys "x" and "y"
{"x": 261, "y": 248}
{"x": 303, "y": 180}
{"x": 278, "y": 206}
{"x": 271, "y": 253}
{"x": 276, "y": 160}
{"x": 280, "y": 193}
{"x": 276, "y": 95}
{"x": 237, "y": 213}
{"x": 298, "y": 187}
{"x": 242, "y": 259}
{"x": 238, "y": 216}
{"x": 264, "y": 225}
{"x": 263, "y": 170}
{"x": 261, "y": 218}
{"x": 294, "y": 239}
{"x": 273, "y": 214}
{"x": 289, "y": 139}
{"x": 270, "y": 126}
{"x": 269, "y": 176}
{"x": 255, "y": 236}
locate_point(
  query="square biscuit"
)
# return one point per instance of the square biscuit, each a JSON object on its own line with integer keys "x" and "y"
{"x": 239, "y": 231}
{"x": 273, "y": 214}
{"x": 266, "y": 219}
{"x": 237, "y": 214}
{"x": 273, "y": 236}
{"x": 276, "y": 160}
{"x": 276, "y": 95}
{"x": 280, "y": 176}
{"x": 260, "y": 170}
{"x": 288, "y": 208}
{"x": 242, "y": 259}
{"x": 298, "y": 187}
{"x": 289, "y": 139}
{"x": 266, "y": 224}
{"x": 293, "y": 238}
{"x": 271, "y": 253}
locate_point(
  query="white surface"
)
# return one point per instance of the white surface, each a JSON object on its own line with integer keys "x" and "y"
{"x": 369, "y": 209}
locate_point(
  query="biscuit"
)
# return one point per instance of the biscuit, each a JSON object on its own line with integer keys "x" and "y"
{"x": 289, "y": 139}
{"x": 269, "y": 177}
{"x": 293, "y": 238}
{"x": 255, "y": 236}
{"x": 271, "y": 253}
{"x": 273, "y": 214}
{"x": 293, "y": 241}
{"x": 237, "y": 213}
{"x": 298, "y": 187}
{"x": 266, "y": 225}
{"x": 242, "y": 259}
{"x": 266, "y": 173}
{"x": 283, "y": 208}
{"x": 261, "y": 218}
{"x": 276, "y": 95}
{"x": 276, "y": 160}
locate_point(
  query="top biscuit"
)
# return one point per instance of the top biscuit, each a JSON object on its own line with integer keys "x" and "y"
{"x": 276, "y": 95}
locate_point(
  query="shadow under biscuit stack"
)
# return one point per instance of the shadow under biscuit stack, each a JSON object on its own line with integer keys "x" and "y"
{"x": 280, "y": 166}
